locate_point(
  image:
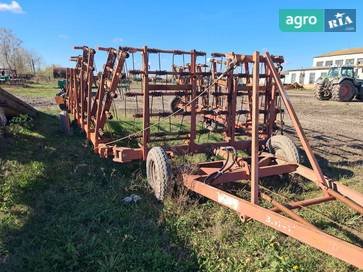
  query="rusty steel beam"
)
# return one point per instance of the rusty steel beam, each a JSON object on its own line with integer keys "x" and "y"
{"x": 350, "y": 197}
{"x": 255, "y": 122}
{"x": 305, "y": 203}
{"x": 304, "y": 233}
{"x": 146, "y": 110}
{"x": 157, "y": 50}
{"x": 286, "y": 210}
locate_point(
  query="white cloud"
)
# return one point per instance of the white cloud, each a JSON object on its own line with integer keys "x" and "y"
{"x": 117, "y": 40}
{"x": 12, "y": 7}
{"x": 63, "y": 36}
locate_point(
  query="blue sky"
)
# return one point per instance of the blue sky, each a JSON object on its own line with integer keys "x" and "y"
{"x": 51, "y": 28}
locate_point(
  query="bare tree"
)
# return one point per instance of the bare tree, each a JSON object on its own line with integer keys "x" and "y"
{"x": 9, "y": 47}
{"x": 35, "y": 61}
{"x": 14, "y": 56}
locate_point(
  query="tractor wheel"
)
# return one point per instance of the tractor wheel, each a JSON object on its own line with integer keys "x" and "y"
{"x": 319, "y": 92}
{"x": 158, "y": 170}
{"x": 65, "y": 123}
{"x": 283, "y": 148}
{"x": 174, "y": 104}
{"x": 343, "y": 91}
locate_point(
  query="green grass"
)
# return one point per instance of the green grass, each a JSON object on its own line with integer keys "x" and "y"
{"x": 127, "y": 125}
{"x": 48, "y": 90}
{"x": 61, "y": 209}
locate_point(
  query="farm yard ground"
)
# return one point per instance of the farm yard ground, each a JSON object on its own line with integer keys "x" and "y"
{"x": 61, "y": 205}
{"x": 333, "y": 128}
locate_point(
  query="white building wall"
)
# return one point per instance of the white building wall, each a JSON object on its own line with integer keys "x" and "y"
{"x": 304, "y": 77}
{"x": 340, "y": 57}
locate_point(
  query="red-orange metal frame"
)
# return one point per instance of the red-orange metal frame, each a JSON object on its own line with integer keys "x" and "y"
{"x": 263, "y": 165}
{"x": 259, "y": 82}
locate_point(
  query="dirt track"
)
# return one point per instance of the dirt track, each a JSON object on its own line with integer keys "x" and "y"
{"x": 334, "y": 128}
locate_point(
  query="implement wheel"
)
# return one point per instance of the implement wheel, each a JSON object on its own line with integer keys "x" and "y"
{"x": 283, "y": 148}
{"x": 158, "y": 170}
{"x": 174, "y": 104}
{"x": 343, "y": 91}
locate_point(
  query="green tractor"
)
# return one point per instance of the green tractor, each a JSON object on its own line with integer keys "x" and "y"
{"x": 340, "y": 84}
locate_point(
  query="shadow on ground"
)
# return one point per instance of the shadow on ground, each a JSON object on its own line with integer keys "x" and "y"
{"x": 62, "y": 209}
{"x": 328, "y": 148}
{"x": 342, "y": 149}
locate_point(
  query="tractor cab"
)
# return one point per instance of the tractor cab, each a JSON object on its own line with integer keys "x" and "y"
{"x": 343, "y": 71}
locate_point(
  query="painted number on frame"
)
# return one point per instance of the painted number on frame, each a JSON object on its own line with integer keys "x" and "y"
{"x": 279, "y": 224}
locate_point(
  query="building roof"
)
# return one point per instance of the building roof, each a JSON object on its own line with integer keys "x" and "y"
{"x": 342, "y": 52}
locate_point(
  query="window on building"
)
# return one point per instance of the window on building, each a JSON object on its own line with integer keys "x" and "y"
{"x": 329, "y": 63}
{"x": 349, "y": 62}
{"x": 293, "y": 78}
{"x": 323, "y": 74}
{"x": 339, "y": 62}
{"x": 311, "y": 78}
{"x": 319, "y": 64}
{"x": 360, "y": 61}
{"x": 302, "y": 78}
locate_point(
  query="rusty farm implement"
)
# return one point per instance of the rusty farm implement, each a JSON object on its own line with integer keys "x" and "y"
{"x": 229, "y": 103}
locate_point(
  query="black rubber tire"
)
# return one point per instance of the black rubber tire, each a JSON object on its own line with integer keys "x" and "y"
{"x": 283, "y": 148}
{"x": 344, "y": 91}
{"x": 174, "y": 104}
{"x": 158, "y": 171}
{"x": 64, "y": 122}
{"x": 319, "y": 92}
